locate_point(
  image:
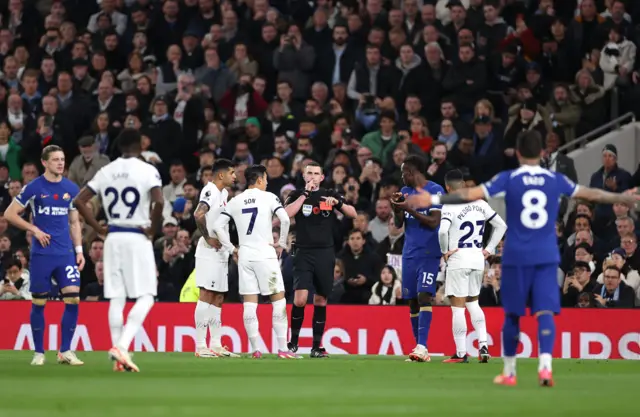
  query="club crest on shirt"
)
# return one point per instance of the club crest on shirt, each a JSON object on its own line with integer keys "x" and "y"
{"x": 66, "y": 197}
{"x": 307, "y": 209}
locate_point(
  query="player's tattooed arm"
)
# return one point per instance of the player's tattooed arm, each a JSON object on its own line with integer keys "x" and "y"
{"x": 200, "y": 216}
{"x": 605, "y": 197}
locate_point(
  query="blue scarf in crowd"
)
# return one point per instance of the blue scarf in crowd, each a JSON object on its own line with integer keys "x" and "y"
{"x": 605, "y": 296}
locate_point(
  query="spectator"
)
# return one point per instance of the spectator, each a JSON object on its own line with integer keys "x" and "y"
{"x": 490, "y": 290}
{"x": 617, "y": 59}
{"x": 590, "y": 98}
{"x": 486, "y": 161}
{"x": 576, "y": 282}
{"x": 378, "y": 226}
{"x": 617, "y": 258}
{"x": 241, "y": 63}
{"x": 362, "y": 267}
{"x": 466, "y": 80}
{"x": 95, "y": 290}
{"x": 294, "y": 60}
{"x": 613, "y": 293}
{"x": 383, "y": 141}
{"x": 338, "y": 283}
{"x": 88, "y": 163}
{"x": 530, "y": 116}
{"x": 10, "y": 152}
{"x": 387, "y": 290}
{"x": 629, "y": 243}
{"x": 439, "y": 164}
{"x": 371, "y": 78}
{"x": 16, "y": 281}
{"x": 609, "y": 177}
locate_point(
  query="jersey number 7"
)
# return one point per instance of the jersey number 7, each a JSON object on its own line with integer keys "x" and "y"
{"x": 254, "y": 213}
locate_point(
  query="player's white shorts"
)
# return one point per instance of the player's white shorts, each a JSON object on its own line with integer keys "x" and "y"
{"x": 213, "y": 274}
{"x": 260, "y": 277}
{"x": 463, "y": 282}
{"x": 129, "y": 266}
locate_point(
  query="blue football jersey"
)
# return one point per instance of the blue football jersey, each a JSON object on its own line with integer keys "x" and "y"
{"x": 50, "y": 203}
{"x": 419, "y": 240}
{"x": 532, "y": 198}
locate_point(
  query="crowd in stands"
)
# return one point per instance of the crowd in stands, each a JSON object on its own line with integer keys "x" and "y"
{"x": 356, "y": 85}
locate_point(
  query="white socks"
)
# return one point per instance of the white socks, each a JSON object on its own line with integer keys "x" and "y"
{"x": 135, "y": 319}
{"x": 207, "y": 316}
{"x": 478, "y": 321}
{"x": 116, "y": 318}
{"x": 251, "y": 325}
{"x": 280, "y": 322}
{"x": 459, "y": 331}
{"x": 544, "y": 362}
{"x": 509, "y": 366}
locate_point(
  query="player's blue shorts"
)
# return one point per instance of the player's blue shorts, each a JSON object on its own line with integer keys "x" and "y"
{"x": 534, "y": 286}
{"x": 62, "y": 268}
{"x": 419, "y": 275}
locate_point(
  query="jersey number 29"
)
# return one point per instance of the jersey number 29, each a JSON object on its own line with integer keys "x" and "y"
{"x": 129, "y": 196}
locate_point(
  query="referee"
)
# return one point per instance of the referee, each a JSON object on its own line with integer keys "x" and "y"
{"x": 314, "y": 257}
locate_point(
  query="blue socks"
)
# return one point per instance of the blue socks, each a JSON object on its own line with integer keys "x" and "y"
{"x": 510, "y": 335}
{"x": 424, "y": 323}
{"x": 37, "y": 327}
{"x": 546, "y": 333}
{"x": 414, "y": 325}
{"x": 68, "y": 325}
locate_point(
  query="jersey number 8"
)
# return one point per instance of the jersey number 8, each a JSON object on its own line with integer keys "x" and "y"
{"x": 534, "y": 214}
{"x": 129, "y": 196}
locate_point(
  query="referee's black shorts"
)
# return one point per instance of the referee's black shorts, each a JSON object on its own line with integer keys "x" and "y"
{"x": 313, "y": 269}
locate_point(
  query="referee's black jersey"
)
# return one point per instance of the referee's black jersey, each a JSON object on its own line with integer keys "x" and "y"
{"x": 315, "y": 220}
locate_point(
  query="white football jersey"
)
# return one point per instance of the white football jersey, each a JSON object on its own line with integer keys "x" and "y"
{"x": 216, "y": 200}
{"x": 253, "y": 211}
{"x": 466, "y": 232}
{"x": 124, "y": 185}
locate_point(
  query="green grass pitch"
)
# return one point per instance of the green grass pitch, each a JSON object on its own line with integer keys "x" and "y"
{"x": 178, "y": 384}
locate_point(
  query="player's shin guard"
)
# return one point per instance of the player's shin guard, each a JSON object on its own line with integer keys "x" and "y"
{"x": 202, "y": 317}
{"x": 37, "y": 322}
{"x": 510, "y": 339}
{"x": 478, "y": 321}
{"x": 280, "y": 322}
{"x": 319, "y": 319}
{"x": 116, "y": 318}
{"x": 297, "y": 317}
{"x": 250, "y": 318}
{"x": 459, "y": 323}
{"x": 135, "y": 320}
{"x": 215, "y": 327}
{"x": 415, "y": 318}
{"x": 424, "y": 323}
{"x": 69, "y": 320}
{"x": 546, "y": 339}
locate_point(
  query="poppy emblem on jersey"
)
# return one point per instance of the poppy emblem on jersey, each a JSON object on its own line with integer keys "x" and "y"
{"x": 66, "y": 197}
{"x": 316, "y": 210}
{"x": 55, "y": 196}
{"x": 306, "y": 210}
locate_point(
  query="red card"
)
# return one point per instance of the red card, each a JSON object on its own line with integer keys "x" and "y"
{"x": 325, "y": 206}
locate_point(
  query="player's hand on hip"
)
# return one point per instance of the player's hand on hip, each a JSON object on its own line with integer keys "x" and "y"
{"x": 42, "y": 237}
{"x": 332, "y": 201}
{"x": 214, "y": 243}
{"x": 279, "y": 249}
{"x": 421, "y": 199}
{"x": 80, "y": 261}
{"x": 447, "y": 255}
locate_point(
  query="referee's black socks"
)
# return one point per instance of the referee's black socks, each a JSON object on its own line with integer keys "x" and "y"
{"x": 297, "y": 317}
{"x": 319, "y": 318}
